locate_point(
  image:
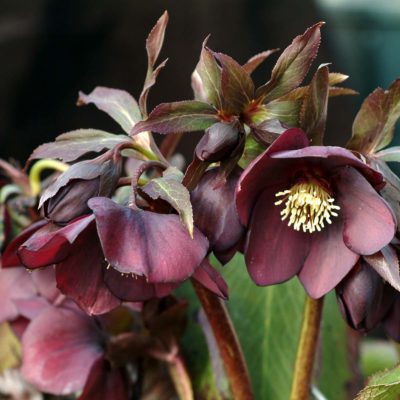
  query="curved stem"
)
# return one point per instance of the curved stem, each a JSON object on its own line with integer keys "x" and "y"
{"x": 169, "y": 144}
{"x": 39, "y": 167}
{"x": 306, "y": 349}
{"x": 227, "y": 341}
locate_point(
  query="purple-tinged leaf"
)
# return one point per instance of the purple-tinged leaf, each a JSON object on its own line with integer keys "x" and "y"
{"x": 251, "y": 65}
{"x": 155, "y": 39}
{"x": 236, "y": 85}
{"x": 146, "y": 243}
{"x": 211, "y": 279}
{"x": 59, "y": 348}
{"x": 149, "y": 83}
{"x": 118, "y": 104}
{"x": 335, "y": 91}
{"x": 269, "y": 130}
{"x": 374, "y": 124}
{"x": 287, "y": 112}
{"x": 386, "y": 264}
{"x": 72, "y": 145}
{"x": 182, "y": 116}
{"x": 315, "y": 106}
{"x": 293, "y": 65}
{"x": 171, "y": 190}
{"x": 206, "y": 79}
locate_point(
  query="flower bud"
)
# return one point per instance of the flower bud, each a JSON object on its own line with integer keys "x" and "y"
{"x": 218, "y": 142}
{"x": 364, "y": 298}
{"x": 66, "y": 198}
{"x": 214, "y": 210}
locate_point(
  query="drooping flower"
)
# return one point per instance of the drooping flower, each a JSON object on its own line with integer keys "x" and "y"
{"x": 311, "y": 211}
{"x": 214, "y": 211}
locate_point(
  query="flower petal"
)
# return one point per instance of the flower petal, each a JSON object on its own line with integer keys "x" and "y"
{"x": 81, "y": 275}
{"x": 256, "y": 177}
{"x": 157, "y": 246}
{"x": 211, "y": 279}
{"x": 369, "y": 223}
{"x": 135, "y": 288}
{"x": 9, "y": 256}
{"x": 59, "y": 348}
{"x": 51, "y": 244}
{"x": 328, "y": 262}
{"x": 274, "y": 251}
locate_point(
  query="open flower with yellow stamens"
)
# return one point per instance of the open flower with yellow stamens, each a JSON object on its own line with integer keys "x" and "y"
{"x": 310, "y": 211}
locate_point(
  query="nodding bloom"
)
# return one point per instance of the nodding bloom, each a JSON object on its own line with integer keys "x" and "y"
{"x": 310, "y": 211}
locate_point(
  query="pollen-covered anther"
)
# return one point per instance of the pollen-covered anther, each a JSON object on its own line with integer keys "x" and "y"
{"x": 307, "y": 206}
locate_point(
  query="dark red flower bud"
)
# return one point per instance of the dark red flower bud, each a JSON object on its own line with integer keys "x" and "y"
{"x": 214, "y": 210}
{"x": 218, "y": 142}
{"x": 364, "y": 297}
{"x": 66, "y": 199}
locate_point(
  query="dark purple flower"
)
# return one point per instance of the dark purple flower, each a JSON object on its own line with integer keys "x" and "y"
{"x": 66, "y": 198}
{"x": 144, "y": 243}
{"x": 311, "y": 211}
{"x": 214, "y": 210}
{"x": 364, "y": 297}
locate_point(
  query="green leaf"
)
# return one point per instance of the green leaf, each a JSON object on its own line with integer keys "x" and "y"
{"x": 70, "y": 146}
{"x": 377, "y": 355}
{"x": 268, "y": 322}
{"x": 382, "y": 386}
{"x": 181, "y": 116}
{"x": 210, "y": 78}
{"x": 293, "y": 65}
{"x": 236, "y": 85}
{"x": 118, "y": 104}
{"x": 334, "y": 370}
{"x": 170, "y": 189}
{"x": 315, "y": 106}
{"x": 374, "y": 124}
{"x": 252, "y": 149}
{"x": 286, "y": 112}
{"x": 391, "y": 154}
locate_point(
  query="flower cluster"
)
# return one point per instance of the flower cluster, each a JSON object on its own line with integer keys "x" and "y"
{"x": 119, "y": 228}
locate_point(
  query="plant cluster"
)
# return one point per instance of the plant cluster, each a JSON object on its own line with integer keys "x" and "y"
{"x": 117, "y": 227}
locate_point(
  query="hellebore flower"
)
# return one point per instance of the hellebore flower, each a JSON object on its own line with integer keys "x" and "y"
{"x": 70, "y": 355}
{"x": 145, "y": 243}
{"x": 311, "y": 211}
{"x": 364, "y": 297}
{"x": 214, "y": 211}
{"x": 66, "y": 198}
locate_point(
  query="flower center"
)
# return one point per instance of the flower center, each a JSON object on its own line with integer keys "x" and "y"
{"x": 308, "y": 206}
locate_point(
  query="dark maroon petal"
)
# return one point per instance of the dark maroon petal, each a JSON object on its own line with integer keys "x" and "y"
{"x": 81, "y": 275}
{"x": 15, "y": 283}
{"x": 59, "y": 348}
{"x": 369, "y": 223}
{"x": 157, "y": 246}
{"x": 392, "y": 324}
{"x": 217, "y": 204}
{"x": 135, "y": 288}
{"x": 10, "y": 257}
{"x": 210, "y": 278}
{"x": 19, "y": 326}
{"x": 265, "y": 171}
{"x": 105, "y": 383}
{"x": 51, "y": 244}
{"x": 364, "y": 298}
{"x": 328, "y": 262}
{"x": 332, "y": 157}
{"x": 274, "y": 252}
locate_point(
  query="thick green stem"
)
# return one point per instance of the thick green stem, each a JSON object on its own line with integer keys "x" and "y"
{"x": 306, "y": 350}
{"x": 228, "y": 343}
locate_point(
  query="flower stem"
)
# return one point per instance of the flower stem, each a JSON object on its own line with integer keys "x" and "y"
{"x": 228, "y": 343}
{"x": 180, "y": 377}
{"x": 306, "y": 350}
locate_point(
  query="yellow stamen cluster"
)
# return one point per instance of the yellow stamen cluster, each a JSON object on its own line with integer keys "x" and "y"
{"x": 308, "y": 206}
